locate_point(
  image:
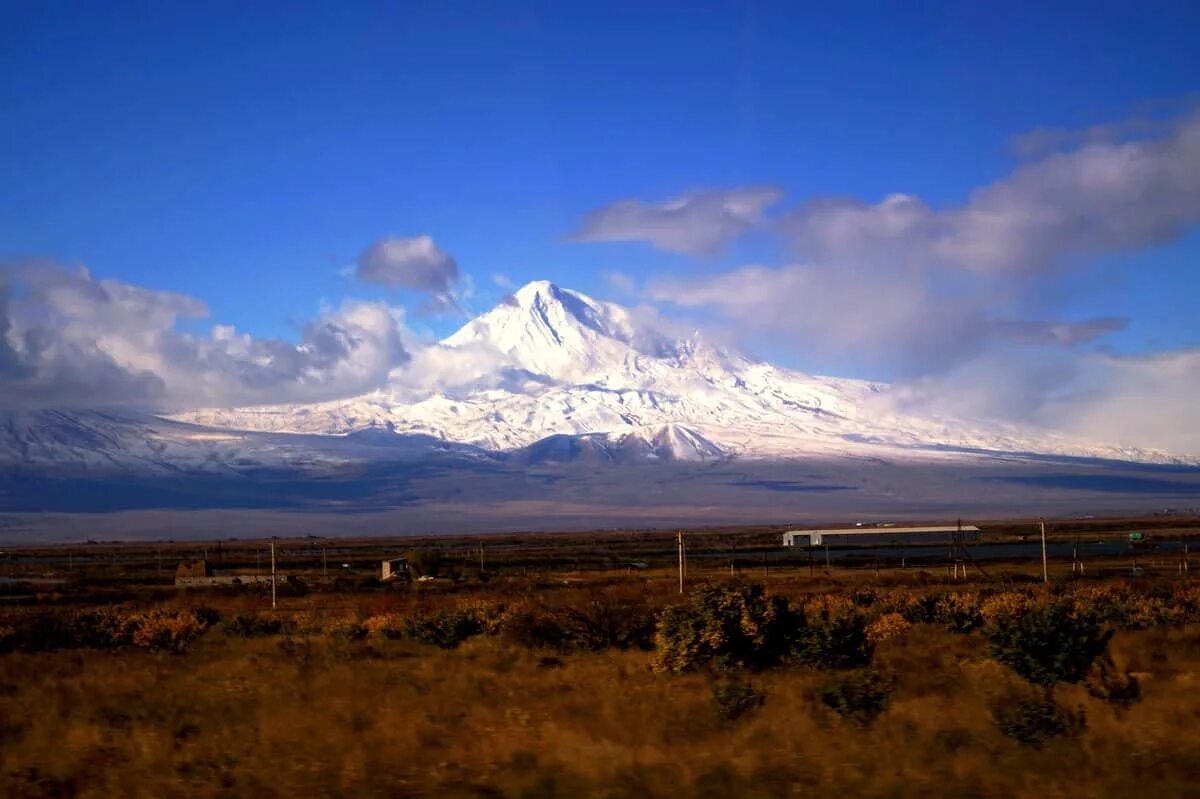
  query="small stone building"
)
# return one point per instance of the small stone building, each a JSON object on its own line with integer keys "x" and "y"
{"x": 193, "y": 568}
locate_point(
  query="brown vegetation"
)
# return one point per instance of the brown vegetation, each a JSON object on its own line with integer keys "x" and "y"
{"x": 608, "y": 687}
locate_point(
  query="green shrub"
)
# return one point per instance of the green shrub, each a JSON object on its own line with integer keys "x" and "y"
{"x": 859, "y": 697}
{"x": 921, "y": 609}
{"x": 253, "y": 625}
{"x": 959, "y": 612}
{"x": 1048, "y": 644}
{"x": 1033, "y": 720}
{"x": 833, "y": 640}
{"x": 733, "y": 698}
{"x": 446, "y": 629}
{"x": 864, "y": 597}
{"x": 728, "y": 626}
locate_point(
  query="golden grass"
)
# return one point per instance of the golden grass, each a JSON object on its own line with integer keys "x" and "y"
{"x": 315, "y": 714}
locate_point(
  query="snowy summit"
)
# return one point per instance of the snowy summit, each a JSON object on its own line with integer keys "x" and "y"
{"x": 550, "y": 362}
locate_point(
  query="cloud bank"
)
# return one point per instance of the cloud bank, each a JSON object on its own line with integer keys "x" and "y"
{"x": 1102, "y": 197}
{"x": 954, "y": 302}
{"x": 68, "y": 339}
{"x": 700, "y": 223}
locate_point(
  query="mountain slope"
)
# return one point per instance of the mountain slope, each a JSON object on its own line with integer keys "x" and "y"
{"x": 553, "y": 362}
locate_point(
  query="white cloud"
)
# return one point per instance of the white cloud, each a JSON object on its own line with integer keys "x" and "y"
{"x": 68, "y": 339}
{"x": 957, "y": 304}
{"x": 1104, "y": 196}
{"x": 1145, "y": 401}
{"x": 415, "y": 263}
{"x": 620, "y": 281}
{"x": 698, "y": 223}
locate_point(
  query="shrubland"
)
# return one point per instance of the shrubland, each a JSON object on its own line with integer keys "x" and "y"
{"x": 616, "y": 687}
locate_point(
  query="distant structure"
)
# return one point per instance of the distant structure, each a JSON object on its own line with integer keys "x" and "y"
{"x": 199, "y": 573}
{"x": 193, "y": 568}
{"x": 394, "y": 569}
{"x": 877, "y": 535}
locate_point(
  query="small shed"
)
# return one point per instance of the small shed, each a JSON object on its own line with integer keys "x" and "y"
{"x": 394, "y": 569}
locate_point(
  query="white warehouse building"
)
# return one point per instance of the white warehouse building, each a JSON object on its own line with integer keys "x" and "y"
{"x": 878, "y": 535}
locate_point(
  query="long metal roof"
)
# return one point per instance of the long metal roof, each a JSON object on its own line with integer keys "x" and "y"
{"x": 966, "y": 528}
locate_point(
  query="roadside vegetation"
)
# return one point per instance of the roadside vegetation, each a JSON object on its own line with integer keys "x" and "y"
{"x": 615, "y": 687}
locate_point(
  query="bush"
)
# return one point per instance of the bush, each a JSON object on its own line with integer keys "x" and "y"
{"x": 347, "y": 630}
{"x": 1108, "y": 683}
{"x": 1033, "y": 720}
{"x": 1048, "y": 644}
{"x": 109, "y": 628}
{"x": 446, "y": 629}
{"x": 167, "y": 630}
{"x": 734, "y": 698}
{"x": 253, "y": 625}
{"x": 833, "y": 640}
{"x": 959, "y": 612}
{"x": 387, "y": 625}
{"x": 859, "y": 697}
{"x": 887, "y": 626}
{"x": 921, "y": 609}
{"x": 605, "y": 620}
{"x": 532, "y": 627}
{"x": 728, "y": 626}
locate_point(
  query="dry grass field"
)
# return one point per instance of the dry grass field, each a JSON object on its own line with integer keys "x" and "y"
{"x": 583, "y": 684}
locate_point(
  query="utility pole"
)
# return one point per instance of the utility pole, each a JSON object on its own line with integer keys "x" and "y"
{"x": 272, "y": 575}
{"x": 679, "y": 544}
{"x": 1045, "y": 565}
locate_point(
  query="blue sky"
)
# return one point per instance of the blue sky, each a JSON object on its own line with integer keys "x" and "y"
{"x": 246, "y": 154}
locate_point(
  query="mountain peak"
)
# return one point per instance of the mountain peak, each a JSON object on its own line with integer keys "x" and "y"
{"x": 529, "y": 293}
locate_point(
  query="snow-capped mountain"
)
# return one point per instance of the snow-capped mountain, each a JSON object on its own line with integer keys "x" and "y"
{"x": 550, "y": 362}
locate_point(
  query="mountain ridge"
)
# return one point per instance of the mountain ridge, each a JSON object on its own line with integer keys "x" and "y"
{"x": 551, "y": 361}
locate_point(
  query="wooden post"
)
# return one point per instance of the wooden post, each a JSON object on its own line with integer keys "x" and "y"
{"x": 272, "y": 575}
{"x": 481, "y": 558}
{"x": 679, "y": 545}
{"x": 324, "y": 563}
{"x": 1045, "y": 564}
